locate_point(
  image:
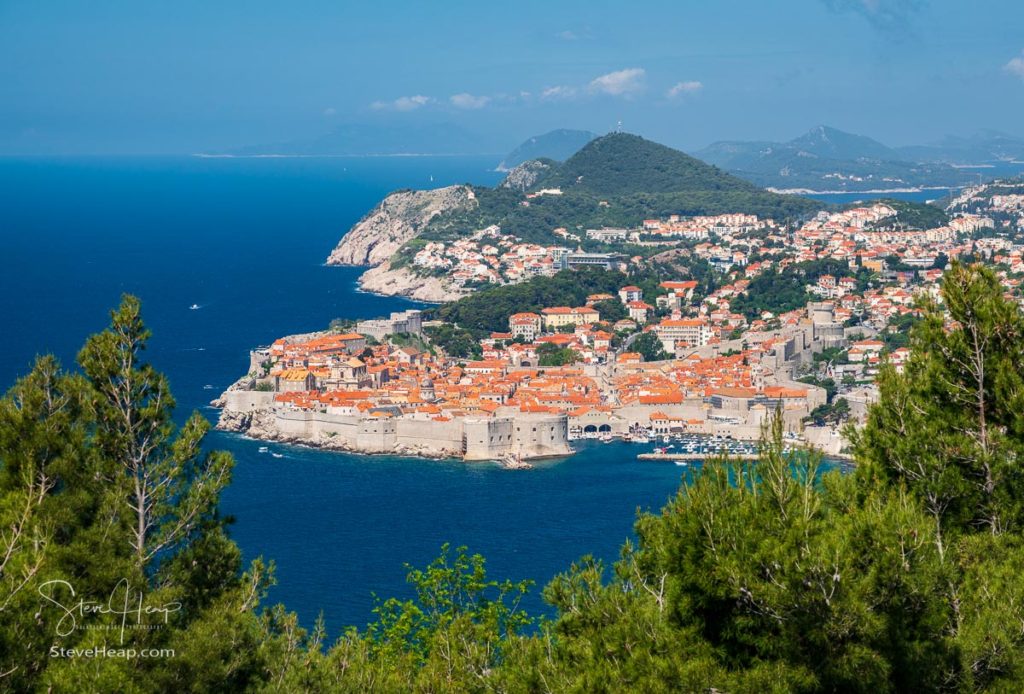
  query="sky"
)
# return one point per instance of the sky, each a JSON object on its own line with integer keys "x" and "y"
{"x": 139, "y": 76}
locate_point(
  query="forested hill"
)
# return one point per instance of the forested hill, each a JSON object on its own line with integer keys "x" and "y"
{"x": 617, "y": 180}
{"x": 624, "y": 164}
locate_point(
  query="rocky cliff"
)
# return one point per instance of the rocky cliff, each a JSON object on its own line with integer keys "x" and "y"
{"x": 523, "y": 177}
{"x": 396, "y": 220}
{"x": 385, "y": 280}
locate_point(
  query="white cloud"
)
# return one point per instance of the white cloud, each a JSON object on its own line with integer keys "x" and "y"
{"x": 619, "y": 83}
{"x": 559, "y": 92}
{"x": 402, "y": 103}
{"x": 468, "y": 101}
{"x": 682, "y": 88}
{"x": 330, "y": 111}
{"x": 567, "y": 35}
{"x": 1016, "y": 66}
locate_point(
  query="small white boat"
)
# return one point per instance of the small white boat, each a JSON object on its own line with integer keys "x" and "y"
{"x": 277, "y": 455}
{"x": 207, "y": 387}
{"x": 262, "y": 449}
{"x": 682, "y": 463}
{"x": 194, "y": 307}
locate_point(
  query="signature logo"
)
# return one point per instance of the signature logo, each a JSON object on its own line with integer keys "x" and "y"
{"x": 123, "y": 602}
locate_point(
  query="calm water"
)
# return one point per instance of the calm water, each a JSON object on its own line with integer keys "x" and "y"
{"x": 984, "y": 173}
{"x": 845, "y": 198}
{"x": 245, "y": 239}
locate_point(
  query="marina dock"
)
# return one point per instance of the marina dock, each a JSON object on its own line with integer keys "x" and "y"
{"x": 689, "y": 457}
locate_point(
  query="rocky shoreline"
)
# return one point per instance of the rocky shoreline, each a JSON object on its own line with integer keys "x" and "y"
{"x": 399, "y": 218}
{"x": 386, "y": 281}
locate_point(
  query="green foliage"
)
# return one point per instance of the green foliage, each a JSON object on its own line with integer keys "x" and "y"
{"x": 912, "y": 215}
{"x": 166, "y": 487}
{"x": 623, "y": 164}
{"x": 773, "y": 564}
{"x": 949, "y": 426}
{"x": 454, "y": 628}
{"x": 611, "y": 310}
{"x": 780, "y": 292}
{"x": 832, "y": 355}
{"x": 341, "y": 325}
{"x": 830, "y": 413}
{"x": 650, "y": 347}
{"x": 406, "y": 340}
{"x": 897, "y": 333}
{"x": 550, "y": 354}
{"x": 771, "y": 291}
{"x": 455, "y": 341}
{"x": 828, "y": 384}
{"x": 488, "y": 310}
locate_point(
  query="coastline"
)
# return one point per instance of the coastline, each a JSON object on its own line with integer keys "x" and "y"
{"x": 331, "y": 446}
{"x": 874, "y": 191}
{"x": 396, "y": 155}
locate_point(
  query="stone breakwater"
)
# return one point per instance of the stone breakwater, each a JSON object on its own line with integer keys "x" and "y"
{"x": 526, "y": 436}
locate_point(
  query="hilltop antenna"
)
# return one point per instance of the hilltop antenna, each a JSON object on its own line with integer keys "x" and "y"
{"x": 618, "y": 127}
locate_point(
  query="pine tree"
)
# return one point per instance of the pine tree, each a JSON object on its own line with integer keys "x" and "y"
{"x": 951, "y": 426}
{"x": 164, "y": 487}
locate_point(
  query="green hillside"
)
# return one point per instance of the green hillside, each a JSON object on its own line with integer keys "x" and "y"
{"x": 828, "y": 159}
{"x": 623, "y": 164}
{"x": 912, "y": 215}
{"x": 617, "y": 180}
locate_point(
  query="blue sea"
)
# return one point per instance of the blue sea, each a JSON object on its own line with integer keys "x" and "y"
{"x": 245, "y": 239}
{"x": 911, "y": 196}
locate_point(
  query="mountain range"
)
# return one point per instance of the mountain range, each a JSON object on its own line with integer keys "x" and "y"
{"x": 985, "y": 146}
{"x": 825, "y": 158}
{"x": 822, "y": 159}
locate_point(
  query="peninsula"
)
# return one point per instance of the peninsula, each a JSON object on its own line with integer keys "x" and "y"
{"x": 681, "y": 323}
{"x": 439, "y": 245}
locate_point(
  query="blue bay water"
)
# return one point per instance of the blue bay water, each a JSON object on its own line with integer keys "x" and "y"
{"x": 245, "y": 239}
{"x": 910, "y": 196}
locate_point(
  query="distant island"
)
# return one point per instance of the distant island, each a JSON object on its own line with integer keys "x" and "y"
{"x": 827, "y": 159}
{"x": 557, "y": 145}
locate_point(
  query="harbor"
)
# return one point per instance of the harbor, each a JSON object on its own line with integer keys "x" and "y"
{"x": 693, "y": 457}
